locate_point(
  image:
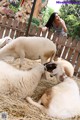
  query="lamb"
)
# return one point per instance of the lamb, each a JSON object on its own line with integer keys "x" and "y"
{"x": 62, "y": 100}
{"x": 33, "y": 48}
{"x": 19, "y": 83}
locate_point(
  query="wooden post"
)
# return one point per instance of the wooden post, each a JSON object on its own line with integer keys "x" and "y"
{"x": 30, "y": 19}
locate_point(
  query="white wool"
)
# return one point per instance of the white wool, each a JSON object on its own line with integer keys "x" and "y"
{"x": 29, "y": 47}
{"x": 17, "y": 82}
{"x": 66, "y": 100}
{"x": 65, "y": 97}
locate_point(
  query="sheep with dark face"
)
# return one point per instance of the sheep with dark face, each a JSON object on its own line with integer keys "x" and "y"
{"x": 67, "y": 66}
{"x": 62, "y": 100}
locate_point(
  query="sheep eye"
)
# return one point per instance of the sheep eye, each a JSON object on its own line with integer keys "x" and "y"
{"x": 20, "y": 16}
{"x": 41, "y": 103}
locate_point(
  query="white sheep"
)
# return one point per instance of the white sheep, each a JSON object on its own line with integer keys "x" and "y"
{"x": 62, "y": 100}
{"x": 19, "y": 83}
{"x": 4, "y": 41}
{"x": 30, "y": 47}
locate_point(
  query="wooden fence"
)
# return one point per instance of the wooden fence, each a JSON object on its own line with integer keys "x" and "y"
{"x": 67, "y": 48}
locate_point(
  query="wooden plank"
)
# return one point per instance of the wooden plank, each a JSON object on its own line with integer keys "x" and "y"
{"x": 74, "y": 58}
{"x": 49, "y": 34}
{"x": 44, "y": 33}
{"x": 3, "y": 22}
{"x": 77, "y": 67}
{"x": 76, "y": 51}
{"x": 55, "y": 37}
{"x": 0, "y": 25}
{"x": 59, "y": 47}
{"x": 78, "y": 46}
{"x": 39, "y": 31}
{"x": 32, "y": 30}
{"x": 71, "y": 51}
{"x": 67, "y": 46}
{"x": 61, "y": 40}
{"x": 14, "y": 25}
{"x": 0, "y": 18}
{"x": 60, "y": 44}
{"x": 70, "y": 54}
{"x": 59, "y": 51}
{"x": 19, "y": 28}
{"x": 23, "y": 30}
{"x": 8, "y": 26}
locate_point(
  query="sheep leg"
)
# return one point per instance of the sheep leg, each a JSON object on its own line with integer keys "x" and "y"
{"x": 34, "y": 103}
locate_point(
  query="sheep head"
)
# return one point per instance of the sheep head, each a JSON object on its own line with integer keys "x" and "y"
{"x": 55, "y": 69}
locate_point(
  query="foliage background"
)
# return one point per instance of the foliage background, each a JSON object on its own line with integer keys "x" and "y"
{"x": 70, "y": 13}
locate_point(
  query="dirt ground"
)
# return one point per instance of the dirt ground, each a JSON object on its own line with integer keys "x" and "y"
{"x": 20, "y": 109}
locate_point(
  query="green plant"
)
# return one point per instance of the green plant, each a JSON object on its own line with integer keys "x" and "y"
{"x": 71, "y": 15}
{"x": 35, "y": 21}
{"x": 16, "y": 7}
{"x": 46, "y": 14}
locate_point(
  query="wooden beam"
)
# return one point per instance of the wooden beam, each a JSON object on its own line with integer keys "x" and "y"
{"x": 30, "y": 19}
